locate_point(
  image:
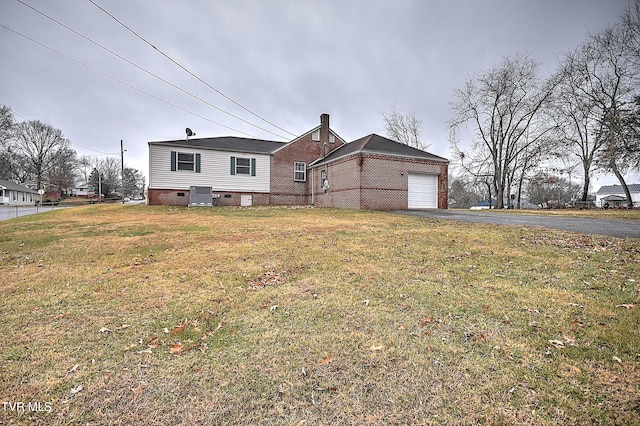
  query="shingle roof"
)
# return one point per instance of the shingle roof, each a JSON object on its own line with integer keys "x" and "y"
{"x": 379, "y": 144}
{"x": 617, "y": 189}
{"x": 15, "y": 187}
{"x": 227, "y": 143}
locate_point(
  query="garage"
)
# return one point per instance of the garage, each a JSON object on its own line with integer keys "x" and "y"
{"x": 423, "y": 191}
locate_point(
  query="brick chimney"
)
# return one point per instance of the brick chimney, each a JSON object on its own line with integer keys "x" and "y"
{"x": 324, "y": 128}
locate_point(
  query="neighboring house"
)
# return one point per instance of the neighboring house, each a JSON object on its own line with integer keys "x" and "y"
{"x": 16, "y": 195}
{"x": 614, "y": 196}
{"x": 485, "y": 205}
{"x": 85, "y": 190}
{"x": 317, "y": 168}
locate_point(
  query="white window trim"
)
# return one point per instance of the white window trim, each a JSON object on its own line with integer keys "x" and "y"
{"x": 296, "y": 171}
{"x": 191, "y": 164}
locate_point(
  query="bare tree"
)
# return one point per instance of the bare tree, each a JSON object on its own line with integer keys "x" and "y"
{"x": 61, "y": 173}
{"x": 548, "y": 190}
{"x": 405, "y": 129}
{"x": 7, "y": 129}
{"x": 596, "y": 84}
{"x": 106, "y": 174}
{"x": 84, "y": 168}
{"x": 502, "y": 105}
{"x": 577, "y": 114}
{"x": 38, "y": 143}
{"x": 464, "y": 192}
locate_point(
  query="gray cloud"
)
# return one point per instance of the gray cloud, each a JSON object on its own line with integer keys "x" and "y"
{"x": 287, "y": 60}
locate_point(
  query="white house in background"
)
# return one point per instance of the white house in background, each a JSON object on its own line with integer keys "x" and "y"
{"x": 84, "y": 190}
{"x": 614, "y": 196}
{"x": 16, "y": 195}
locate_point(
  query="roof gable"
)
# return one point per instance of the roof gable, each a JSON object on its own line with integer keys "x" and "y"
{"x": 617, "y": 189}
{"x": 338, "y": 139}
{"x": 226, "y": 143}
{"x": 15, "y": 187}
{"x": 379, "y": 144}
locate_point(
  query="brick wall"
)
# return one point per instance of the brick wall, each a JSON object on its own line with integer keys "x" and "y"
{"x": 385, "y": 180}
{"x": 234, "y": 198}
{"x": 344, "y": 184}
{"x": 284, "y": 190}
{"x": 168, "y": 197}
{"x": 172, "y": 197}
{"x": 375, "y": 182}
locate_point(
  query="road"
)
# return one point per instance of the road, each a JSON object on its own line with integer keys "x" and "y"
{"x": 583, "y": 225}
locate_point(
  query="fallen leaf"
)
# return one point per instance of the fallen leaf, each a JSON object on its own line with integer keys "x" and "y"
{"x": 176, "y": 348}
{"x": 104, "y": 330}
{"x": 577, "y": 322}
{"x": 178, "y": 329}
{"x": 327, "y": 360}
{"x": 426, "y": 320}
{"x": 165, "y": 330}
{"x": 556, "y": 343}
{"x": 366, "y": 302}
{"x": 618, "y": 360}
{"x": 376, "y": 348}
{"x": 76, "y": 389}
{"x": 153, "y": 341}
{"x": 203, "y": 347}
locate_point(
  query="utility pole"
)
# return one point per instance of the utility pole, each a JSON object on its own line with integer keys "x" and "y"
{"x": 122, "y": 169}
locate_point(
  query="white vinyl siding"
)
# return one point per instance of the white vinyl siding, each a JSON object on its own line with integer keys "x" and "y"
{"x": 423, "y": 191}
{"x": 214, "y": 167}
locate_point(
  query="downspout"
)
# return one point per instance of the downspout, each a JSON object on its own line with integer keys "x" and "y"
{"x": 313, "y": 186}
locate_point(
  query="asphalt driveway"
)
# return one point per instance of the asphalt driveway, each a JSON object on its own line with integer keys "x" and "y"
{"x": 583, "y": 225}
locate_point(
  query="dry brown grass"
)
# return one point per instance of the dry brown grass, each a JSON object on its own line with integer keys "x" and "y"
{"x": 311, "y": 316}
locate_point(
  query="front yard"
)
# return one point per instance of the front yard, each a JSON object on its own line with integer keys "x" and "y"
{"x": 163, "y": 315}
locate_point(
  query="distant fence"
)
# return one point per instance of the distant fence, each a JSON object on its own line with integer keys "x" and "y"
{"x": 10, "y": 212}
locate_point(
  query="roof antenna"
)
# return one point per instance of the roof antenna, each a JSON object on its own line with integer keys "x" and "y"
{"x": 189, "y": 133}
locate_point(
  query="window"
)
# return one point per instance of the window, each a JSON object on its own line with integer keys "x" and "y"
{"x": 243, "y": 166}
{"x": 299, "y": 171}
{"x": 185, "y": 161}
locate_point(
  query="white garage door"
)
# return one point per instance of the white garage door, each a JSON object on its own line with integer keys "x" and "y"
{"x": 423, "y": 191}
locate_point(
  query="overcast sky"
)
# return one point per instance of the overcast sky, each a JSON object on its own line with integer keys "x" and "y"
{"x": 287, "y": 61}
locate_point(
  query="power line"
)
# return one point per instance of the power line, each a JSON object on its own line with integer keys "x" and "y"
{"x": 189, "y": 72}
{"x": 72, "y": 143}
{"x": 145, "y": 70}
{"x": 123, "y": 82}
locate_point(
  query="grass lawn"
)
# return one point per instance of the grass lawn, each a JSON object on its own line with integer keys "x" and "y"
{"x": 163, "y": 315}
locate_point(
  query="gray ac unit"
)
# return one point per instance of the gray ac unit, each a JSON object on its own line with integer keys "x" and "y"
{"x": 200, "y": 196}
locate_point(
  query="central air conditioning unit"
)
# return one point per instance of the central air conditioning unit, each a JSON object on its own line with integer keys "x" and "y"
{"x": 200, "y": 196}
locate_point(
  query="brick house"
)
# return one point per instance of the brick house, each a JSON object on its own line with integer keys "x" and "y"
{"x": 317, "y": 168}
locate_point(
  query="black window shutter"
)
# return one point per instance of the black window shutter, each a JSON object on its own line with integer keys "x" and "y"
{"x": 174, "y": 161}
{"x": 197, "y": 163}
{"x": 253, "y": 167}
{"x": 233, "y": 165}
